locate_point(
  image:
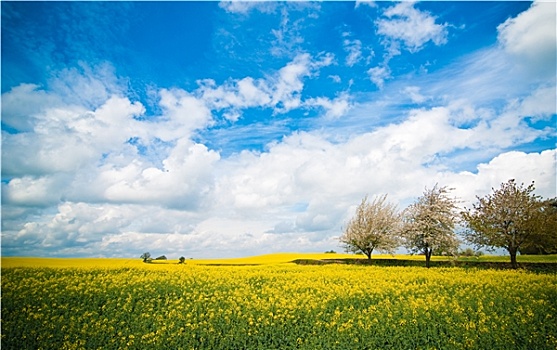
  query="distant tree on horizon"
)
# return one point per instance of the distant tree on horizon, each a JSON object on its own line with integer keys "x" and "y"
{"x": 146, "y": 257}
{"x": 181, "y": 260}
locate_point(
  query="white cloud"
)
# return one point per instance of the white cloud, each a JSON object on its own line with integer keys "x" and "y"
{"x": 369, "y": 3}
{"x": 281, "y": 91}
{"x": 78, "y": 228}
{"x": 531, "y": 38}
{"x": 245, "y": 7}
{"x": 22, "y": 103}
{"x": 334, "y": 108}
{"x": 414, "y": 93}
{"x": 296, "y": 195}
{"x": 523, "y": 167}
{"x": 289, "y": 85}
{"x": 410, "y": 26}
{"x": 542, "y": 103}
{"x": 288, "y": 37}
{"x": 354, "y": 50}
{"x": 32, "y": 191}
{"x": 306, "y": 168}
{"x": 459, "y": 126}
{"x": 67, "y": 137}
{"x": 251, "y": 93}
{"x": 88, "y": 86}
{"x": 186, "y": 177}
{"x": 182, "y": 114}
{"x": 378, "y": 75}
{"x": 235, "y": 94}
{"x": 335, "y": 78}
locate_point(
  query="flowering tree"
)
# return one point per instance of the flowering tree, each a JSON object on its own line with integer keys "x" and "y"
{"x": 511, "y": 218}
{"x": 374, "y": 226}
{"x": 429, "y": 224}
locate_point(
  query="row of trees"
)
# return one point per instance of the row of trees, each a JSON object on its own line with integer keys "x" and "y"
{"x": 512, "y": 217}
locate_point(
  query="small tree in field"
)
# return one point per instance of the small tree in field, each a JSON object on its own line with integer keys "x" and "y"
{"x": 145, "y": 256}
{"x": 374, "y": 226}
{"x": 429, "y": 224}
{"x": 181, "y": 260}
{"x": 510, "y": 218}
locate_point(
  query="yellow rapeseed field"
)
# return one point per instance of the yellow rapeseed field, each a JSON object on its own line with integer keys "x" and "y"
{"x": 270, "y": 304}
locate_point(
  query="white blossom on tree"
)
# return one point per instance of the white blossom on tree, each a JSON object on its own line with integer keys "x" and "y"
{"x": 375, "y": 226}
{"x": 429, "y": 224}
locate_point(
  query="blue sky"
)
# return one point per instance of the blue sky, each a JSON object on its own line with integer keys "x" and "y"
{"x": 210, "y": 129}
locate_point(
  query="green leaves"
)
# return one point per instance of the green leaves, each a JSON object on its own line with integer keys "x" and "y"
{"x": 510, "y": 217}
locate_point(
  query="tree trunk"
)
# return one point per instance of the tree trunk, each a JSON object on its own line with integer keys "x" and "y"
{"x": 512, "y": 252}
{"x": 428, "y": 253}
{"x": 368, "y": 253}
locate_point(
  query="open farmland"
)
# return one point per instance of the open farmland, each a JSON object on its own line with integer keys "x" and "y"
{"x": 125, "y": 304}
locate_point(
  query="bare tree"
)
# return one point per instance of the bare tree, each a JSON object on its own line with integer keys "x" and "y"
{"x": 429, "y": 224}
{"x": 509, "y": 218}
{"x": 375, "y": 225}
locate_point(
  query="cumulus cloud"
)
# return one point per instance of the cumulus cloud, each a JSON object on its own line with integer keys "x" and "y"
{"x": 523, "y": 167}
{"x": 185, "y": 178}
{"x": 182, "y": 114}
{"x": 79, "y": 228}
{"x": 294, "y": 196}
{"x": 64, "y": 138}
{"x": 22, "y": 103}
{"x": 411, "y": 27}
{"x": 70, "y": 152}
{"x": 531, "y": 37}
{"x": 307, "y": 172}
{"x": 34, "y": 191}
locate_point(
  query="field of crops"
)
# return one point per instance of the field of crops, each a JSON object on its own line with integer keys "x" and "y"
{"x": 125, "y": 304}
